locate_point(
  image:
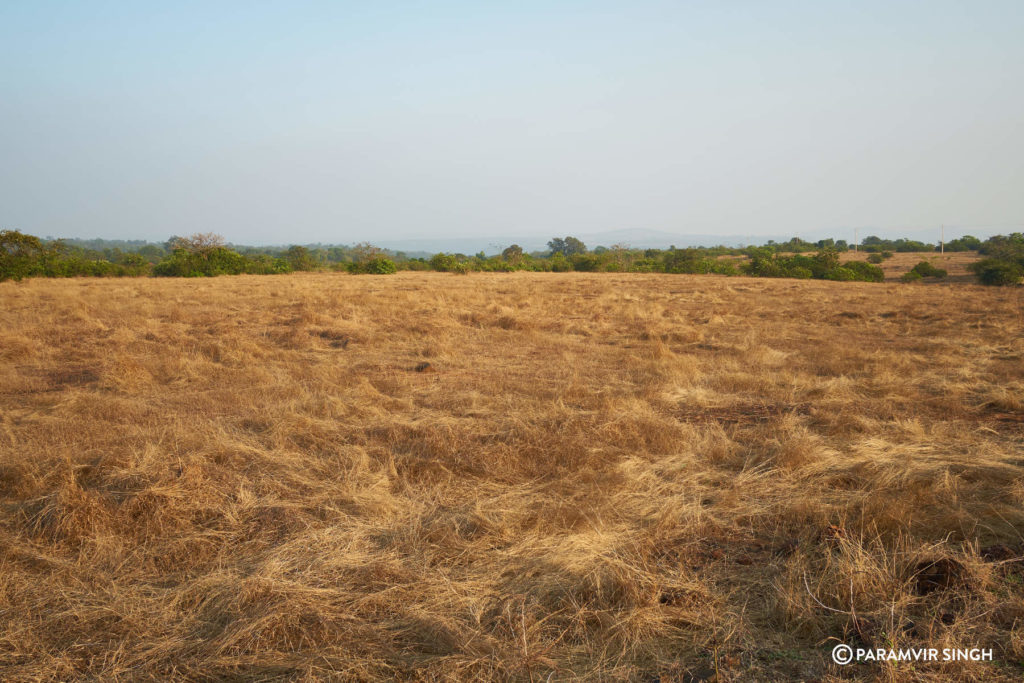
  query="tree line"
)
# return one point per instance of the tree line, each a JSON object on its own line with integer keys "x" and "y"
{"x": 207, "y": 255}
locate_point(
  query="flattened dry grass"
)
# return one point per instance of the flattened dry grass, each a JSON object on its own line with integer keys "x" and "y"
{"x": 521, "y": 476}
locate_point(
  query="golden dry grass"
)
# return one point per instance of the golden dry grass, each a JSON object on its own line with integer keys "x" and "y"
{"x": 523, "y": 476}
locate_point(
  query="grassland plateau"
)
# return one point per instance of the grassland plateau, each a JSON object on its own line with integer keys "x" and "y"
{"x": 528, "y": 476}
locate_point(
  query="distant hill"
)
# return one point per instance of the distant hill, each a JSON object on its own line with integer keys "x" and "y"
{"x": 633, "y": 237}
{"x": 659, "y": 239}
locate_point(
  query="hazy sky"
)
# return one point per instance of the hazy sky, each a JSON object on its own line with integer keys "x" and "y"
{"x": 341, "y": 122}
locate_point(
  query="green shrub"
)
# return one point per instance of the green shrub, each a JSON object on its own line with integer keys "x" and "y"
{"x": 720, "y": 267}
{"x": 876, "y": 244}
{"x": 20, "y": 255}
{"x": 997, "y": 273}
{"x": 763, "y": 263}
{"x": 875, "y": 258}
{"x": 24, "y": 255}
{"x": 911, "y": 276}
{"x": 926, "y": 269}
{"x": 1005, "y": 262}
{"x": 587, "y": 263}
{"x": 1004, "y": 247}
{"x": 826, "y": 260}
{"x": 842, "y": 274}
{"x": 380, "y": 266}
{"x": 444, "y": 263}
{"x": 700, "y": 261}
{"x": 644, "y": 265}
{"x": 497, "y": 265}
{"x": 300, "y": 258}
{"x": 823, "y": 265}
{"x": 965, "y": 243}
{"x": 560, "y": 264}
{"x": 207, "y": 262}
{"x": 263, "y": 264}
{"x": 865, "y": 272}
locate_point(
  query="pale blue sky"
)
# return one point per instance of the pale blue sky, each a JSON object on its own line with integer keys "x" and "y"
{"x": 342, "y": 122}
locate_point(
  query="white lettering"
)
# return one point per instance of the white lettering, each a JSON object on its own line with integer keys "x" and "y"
{"x": 931, "y": 654}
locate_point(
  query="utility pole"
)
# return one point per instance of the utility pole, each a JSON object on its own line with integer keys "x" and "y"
{"x": 855, "y": 240}
{"x": 942, "y": 240}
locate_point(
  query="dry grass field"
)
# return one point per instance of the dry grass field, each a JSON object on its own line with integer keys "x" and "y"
{"x": 536, "y": 477}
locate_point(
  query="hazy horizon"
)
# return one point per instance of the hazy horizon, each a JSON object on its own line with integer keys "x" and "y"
{"x": 342, "y": 123}
{"x": 639, "y": 239}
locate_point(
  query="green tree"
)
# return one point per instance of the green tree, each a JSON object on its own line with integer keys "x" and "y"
{"x": 1005, "y": 262}
{"x": 513, "y": 254}
{"x": 965, "y": 243}
{"x": 200, "y": 242}
{"x": 567, "y": 246}
{"x": 300, "y": 258}
{"x": 827, "y": 259}
{"x": 763, "y": 262}
{"x": 364, "y": 251}
{"x": 151, "y": 252}
{"x": 21, "y": 255}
